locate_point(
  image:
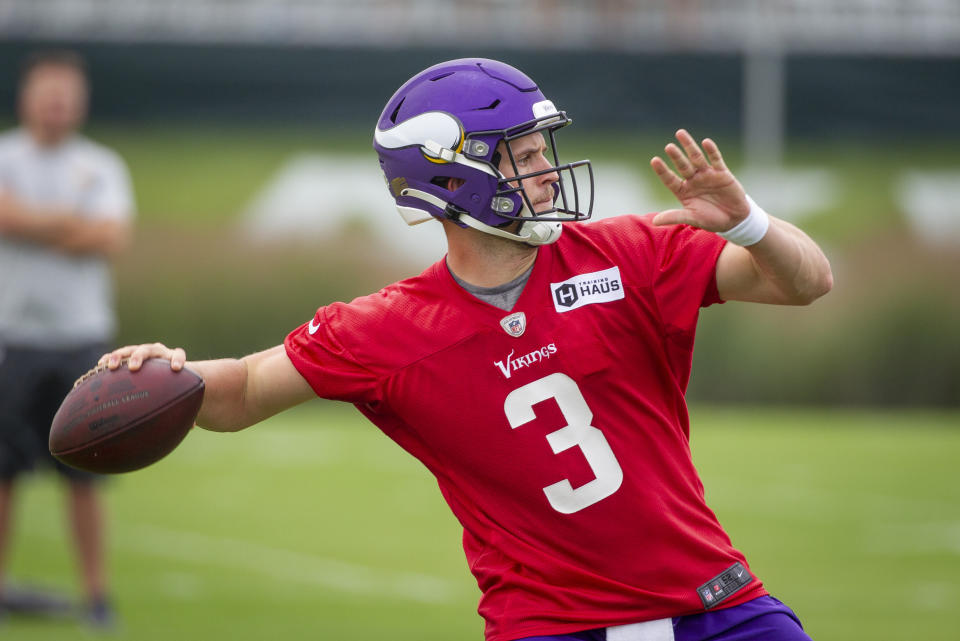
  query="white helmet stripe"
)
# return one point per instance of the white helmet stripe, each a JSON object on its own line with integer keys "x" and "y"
{"x": 432, "y": 125}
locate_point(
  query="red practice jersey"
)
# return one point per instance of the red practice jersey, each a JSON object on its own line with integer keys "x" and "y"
{"x": 558, "y": 431}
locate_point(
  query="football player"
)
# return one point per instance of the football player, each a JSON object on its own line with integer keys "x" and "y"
{"x": 538, "y": 370}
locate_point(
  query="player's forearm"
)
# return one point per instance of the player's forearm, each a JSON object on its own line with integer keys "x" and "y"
{"x": 224, "y": 398}
{"x": 241, "y": 393}
{"x": 68, "y": 232}
{"x": 793, "y": 267}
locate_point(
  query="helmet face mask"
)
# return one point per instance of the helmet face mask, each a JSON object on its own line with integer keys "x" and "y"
{"x": 460, "y": 119}
{"x": 567, "y": 201}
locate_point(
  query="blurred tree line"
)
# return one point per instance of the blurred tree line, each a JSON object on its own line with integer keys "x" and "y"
{"x": 886, "y": 335}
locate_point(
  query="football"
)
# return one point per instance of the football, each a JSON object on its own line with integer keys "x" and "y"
{"x": 116, "y": 421}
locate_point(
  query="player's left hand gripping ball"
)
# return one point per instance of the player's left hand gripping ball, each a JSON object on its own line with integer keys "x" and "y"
{"x": 119, "y": 421}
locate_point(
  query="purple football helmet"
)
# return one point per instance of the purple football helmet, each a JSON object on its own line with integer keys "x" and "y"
{"x": 446, "y": 122}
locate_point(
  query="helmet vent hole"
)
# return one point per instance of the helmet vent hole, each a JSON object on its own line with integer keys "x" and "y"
{"x": 491, "y": 106}
{"x": 442, "y": 76}
{"x": 393, "y": 116}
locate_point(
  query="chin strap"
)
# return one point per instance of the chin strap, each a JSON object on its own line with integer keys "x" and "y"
{"x": 533, "y": 232}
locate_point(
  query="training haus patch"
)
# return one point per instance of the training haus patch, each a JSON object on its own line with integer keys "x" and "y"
{"x": 587, "y": 289}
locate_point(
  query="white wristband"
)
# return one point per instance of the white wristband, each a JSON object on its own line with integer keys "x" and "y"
{"x": 751, "y": 229}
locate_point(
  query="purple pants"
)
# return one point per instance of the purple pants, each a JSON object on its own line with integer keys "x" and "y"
{"x": 760, "y": 619}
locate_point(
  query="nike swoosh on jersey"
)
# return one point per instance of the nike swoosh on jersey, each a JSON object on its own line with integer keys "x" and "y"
{"x": 312, "y": 328}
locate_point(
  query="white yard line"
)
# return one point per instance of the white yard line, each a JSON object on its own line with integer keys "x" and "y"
{"x": 277, "y": 564}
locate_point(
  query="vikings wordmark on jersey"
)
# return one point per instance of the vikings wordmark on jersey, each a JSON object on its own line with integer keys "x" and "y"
{"x": 511, "y": 364}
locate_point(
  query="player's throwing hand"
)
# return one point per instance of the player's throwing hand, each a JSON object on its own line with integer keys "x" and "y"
{"x": 711, "y": 196}
{"x": 136, "y": 354}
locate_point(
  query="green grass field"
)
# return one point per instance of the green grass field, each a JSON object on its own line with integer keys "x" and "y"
{"x": 315, "y": 526}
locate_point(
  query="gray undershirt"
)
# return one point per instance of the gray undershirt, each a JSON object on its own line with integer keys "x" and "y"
{"x": 503, "y": 296}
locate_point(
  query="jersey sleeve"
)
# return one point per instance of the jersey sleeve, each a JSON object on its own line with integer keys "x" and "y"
{"x": 324, "y": 359}
{"x": 684, "y": 272}
{"x": 677, "y": 262}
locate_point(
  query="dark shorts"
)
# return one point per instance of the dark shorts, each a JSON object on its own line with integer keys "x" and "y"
{"x": 761, "y": 619}
{"x": 33, "y": 383}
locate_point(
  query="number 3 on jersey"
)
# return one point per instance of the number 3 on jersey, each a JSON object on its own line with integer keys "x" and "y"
{"x": 577, "y": 432}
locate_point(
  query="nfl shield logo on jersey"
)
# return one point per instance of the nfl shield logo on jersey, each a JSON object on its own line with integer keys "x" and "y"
{"x": 514, "y": 324}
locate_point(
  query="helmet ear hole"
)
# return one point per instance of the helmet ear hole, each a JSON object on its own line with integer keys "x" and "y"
{"x": 447, "y": 182}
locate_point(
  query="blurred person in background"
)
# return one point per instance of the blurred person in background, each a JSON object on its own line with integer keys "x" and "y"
{"x": 539, "y": 369}
{"x": 65, "y": 209}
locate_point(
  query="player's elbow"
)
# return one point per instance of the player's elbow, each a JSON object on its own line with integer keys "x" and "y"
{"x": 817, "y": 285}
{"x": 826, "y": 281}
